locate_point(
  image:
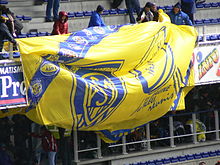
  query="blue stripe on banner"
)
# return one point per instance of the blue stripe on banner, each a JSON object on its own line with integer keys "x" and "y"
{"x": 78, "y": 43}
{"x": 44, "y": 75}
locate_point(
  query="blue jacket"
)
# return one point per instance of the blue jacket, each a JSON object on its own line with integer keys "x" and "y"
{"x": 96, "y": 20}
{"x": 180, "y": 18}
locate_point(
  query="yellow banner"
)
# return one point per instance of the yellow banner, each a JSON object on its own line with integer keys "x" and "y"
{"x": 112, "y": 78}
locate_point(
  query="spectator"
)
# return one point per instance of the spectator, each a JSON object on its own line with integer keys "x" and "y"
{"x": 14, "y": 25}
{"x": 153, "y": 9}
{"x": 189, "y": 7}
{"x": 178, "y": 17}
{"x": 96, "y": 19}
{"x": 61, "y": 25}
{"x": 202, "y": 163}
{"x": 218, "y": 163}
{"x": 4, "y": 156}
{"x": 132, "y": 5}
{"x": 4, "y": 32}
{"x": 55, "y": 4}
{"x": 49, "y": 145}
{"x": 145, "y": 15}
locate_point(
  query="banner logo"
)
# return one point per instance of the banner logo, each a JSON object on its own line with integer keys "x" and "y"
{"x": 97, "y": 96}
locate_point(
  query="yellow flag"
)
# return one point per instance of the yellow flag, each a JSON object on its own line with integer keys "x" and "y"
{"x": 112, "y": 78}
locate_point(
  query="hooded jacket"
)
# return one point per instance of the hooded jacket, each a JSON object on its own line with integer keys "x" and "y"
{"x": 60, "y": 27}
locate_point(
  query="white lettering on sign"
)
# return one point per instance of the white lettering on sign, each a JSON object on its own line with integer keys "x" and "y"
{"x": 10, "y": 69}
{"x": 7, "y": 83}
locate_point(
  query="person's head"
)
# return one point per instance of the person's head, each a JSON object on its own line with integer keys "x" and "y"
{"x": 3, "y": 18}
{"x": 148, "y": 6}
{"x": 153, "y": 7}
{"x": 2, "y": 146}
{"x": 218, "y": 163}
{"x": 100, "y": 9}
{"x": 202, "y": 163}
{"x": 63, "y": 16}
{"x": 177, "y": 8}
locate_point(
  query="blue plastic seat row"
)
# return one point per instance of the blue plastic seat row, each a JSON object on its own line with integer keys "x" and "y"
{"x": 3, "y": 2}
{"x": 23, "y": 18}
{"x": 208, "y": 5}
{"x": 207, "y": 21}
{"x": 89, "y": 13}
{"x": 212, "y": 37}
{"x": 179, "y": 158}
{"x": 33, "y": 34}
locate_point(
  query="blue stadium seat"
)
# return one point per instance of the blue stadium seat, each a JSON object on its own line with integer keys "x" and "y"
{"x": 79, "y": 14}
{"x": 71, "y": 14}
{"x": 206, "y": 21}
{"x": 105, "y": 12}
{"x": 3, "y": 2}
{"x": 20, "y": 17}
{"x": 214, "y": 4}
{"x": 151, "y": 162}
{"x": 22, "y": 35}
{"x": 189, "y": 157}
{"x": 205, "y": 154}
{"x": 166, "y": 161}
{"x": 198, "y": 22}
{"x": 218, "y": 4}
{"x": 217, "y": 151}
{"x": 26, "y": 18}
{"x": 207, "y": 5}
{"x": 161, "y": 7}
{"x": 208, "y": 38}
{"x": 158, "y": 162}
{"x": 197, "y": 156}
{"x": 212, "y": 153}
{"x": 214, "y": 21}
{"x": 200, "y": 38}
{"x": 168, "y": 8}
{"x": 182, "y": 158}
{"x": 214, "y": 37}
{"x": 40, "y": 34}
{"x": 219, "y": 37}
{"x": 112, "y": 12}
{"x": 122, "y": 11}
{"x": 5, "y": 55}
{"x": 174, "y": 160}
{"x": 87, "y": 13}
{"x": 199, "y": 5}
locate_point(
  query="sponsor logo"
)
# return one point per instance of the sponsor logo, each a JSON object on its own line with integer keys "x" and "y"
{"x": 48, "y": 69}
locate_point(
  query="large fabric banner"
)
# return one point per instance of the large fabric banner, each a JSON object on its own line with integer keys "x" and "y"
{"x": 110, "y": 79}
{"x": 207, "y": 64}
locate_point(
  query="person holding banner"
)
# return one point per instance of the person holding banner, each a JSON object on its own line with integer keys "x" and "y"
{"x": 4, "y": 33}
{"x": 96, "y": 19}
{"x": 178, "y": 17}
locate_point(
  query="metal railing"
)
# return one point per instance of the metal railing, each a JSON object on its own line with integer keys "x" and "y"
{"x": 147, "y": 140}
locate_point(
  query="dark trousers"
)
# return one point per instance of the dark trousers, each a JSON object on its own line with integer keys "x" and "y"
{"x": 132, "y": 6}
{"x": 55, "y": 4}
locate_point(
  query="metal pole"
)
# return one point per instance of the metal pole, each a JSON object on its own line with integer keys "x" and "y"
{"x": 99, "y": 147}
{"x": 75, "y": 146}
{"x": 124, "y": 151}
{"x": 203, "y": 33}
{"x": 171, "y": 131}
{"x": 10, "y": 51}
{"x": 194, "y": 128}
{"x": 148, "y": 136}
{"x": 216, "y": 124}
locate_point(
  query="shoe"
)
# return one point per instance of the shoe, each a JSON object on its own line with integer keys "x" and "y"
{"x": 48, "y": 20}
